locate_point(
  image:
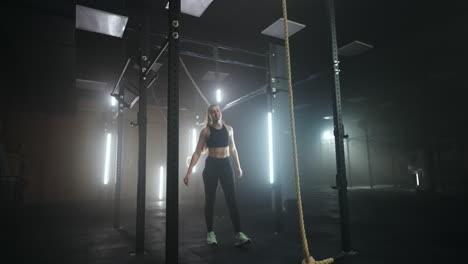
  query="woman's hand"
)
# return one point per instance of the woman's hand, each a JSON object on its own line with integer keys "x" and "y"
{"x": 238, "y": 173}
{"x": 186, "y": 179}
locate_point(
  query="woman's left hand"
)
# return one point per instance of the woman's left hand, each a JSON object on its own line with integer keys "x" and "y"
{"x": 238, "y": 173}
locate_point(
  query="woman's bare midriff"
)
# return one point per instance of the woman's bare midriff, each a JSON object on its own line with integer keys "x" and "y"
{"x": 218, "y": 153}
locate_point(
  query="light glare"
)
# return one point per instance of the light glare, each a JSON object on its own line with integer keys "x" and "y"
{"x": 327, "y": 135}
{"x": 270, "y": 147}
{"x": 417, "y": 179}
{"x": 113, "y": 101}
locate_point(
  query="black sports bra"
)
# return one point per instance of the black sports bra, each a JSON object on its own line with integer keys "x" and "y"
{"x": 219, "y": 138}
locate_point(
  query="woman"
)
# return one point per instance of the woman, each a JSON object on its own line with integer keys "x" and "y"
{"x": 218, "y": 138}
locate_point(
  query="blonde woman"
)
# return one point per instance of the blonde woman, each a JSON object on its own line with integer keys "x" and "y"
{"x": 218, "y": 139}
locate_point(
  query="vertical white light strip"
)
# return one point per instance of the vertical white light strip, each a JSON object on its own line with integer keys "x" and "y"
{"x": 417, "y": 179}
{"x": 218, "y": 96}
{"x": 194, "y": 145}
{"x": 161, "y": 182}
{"x": 107, "y": 160}
{"x": 113, "y": 101}
{"x": 270, "y": 147}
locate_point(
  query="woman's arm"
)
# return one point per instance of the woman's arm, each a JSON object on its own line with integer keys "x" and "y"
{"x": 234, "y": 154}
{"x": 196, "y": 155}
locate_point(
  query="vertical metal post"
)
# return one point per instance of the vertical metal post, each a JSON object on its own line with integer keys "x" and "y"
{"x": 339, "y": 135}
{"x": 349, "y": 162}
{"x": 369, "y": 164}
{"x": 271, "y": 89}
{"x": 118, "y": 172}
{"x": 142, "y": 124}
{"x": 172, "y": 197}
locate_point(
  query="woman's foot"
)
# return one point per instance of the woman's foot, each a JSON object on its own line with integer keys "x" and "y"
{"x": 242, "y": 239}
{"x": 211, "y": 238}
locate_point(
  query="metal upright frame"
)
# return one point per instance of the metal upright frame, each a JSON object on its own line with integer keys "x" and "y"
{"x": 272, "y": 88}
{"x": 145, "y": 31}
{"x": 120, "y": 126}
{"x": 172, "y": 196}
{"x": 342, "y": 184}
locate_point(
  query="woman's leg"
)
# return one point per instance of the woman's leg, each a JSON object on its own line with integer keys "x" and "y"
{"x": 226, "y": 178}
{"x": 210, "y": 179}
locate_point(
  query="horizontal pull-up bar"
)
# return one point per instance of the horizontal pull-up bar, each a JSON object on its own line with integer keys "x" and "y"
{"x": 161, "y": 50}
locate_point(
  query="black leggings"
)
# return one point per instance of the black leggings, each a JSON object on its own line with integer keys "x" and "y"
{"x": 220, "y": 169}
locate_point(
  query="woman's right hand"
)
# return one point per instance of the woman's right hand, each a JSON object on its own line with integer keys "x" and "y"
{"x": 186, "y": 179}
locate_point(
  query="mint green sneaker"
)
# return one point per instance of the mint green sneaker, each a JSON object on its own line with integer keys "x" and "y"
{"x": 211, "y": 238}
{"x": 242, "y": 239}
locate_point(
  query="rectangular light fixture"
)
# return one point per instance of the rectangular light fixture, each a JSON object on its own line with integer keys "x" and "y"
{"x": 354, "y": 48}
{"x": 270, "y": 148}
{"x": 194, "y": 145}
{"x": 161, "y": 182}
{"x": 107, "y": 159}
{"x": 91, "y": 85}
{"x": 277, "y": 28}
{"x": 99, "y": 21}
{"x": 215, "y": 76}
{"x": 193, "y": 7}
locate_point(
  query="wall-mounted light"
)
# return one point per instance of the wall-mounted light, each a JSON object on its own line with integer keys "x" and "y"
{"x": 161, "y": 183}
{"x": 107, "y": 158}
{"x": 194, "y": 145}
{"x": 113, "y": 101}
{"x": 270, "y": 148}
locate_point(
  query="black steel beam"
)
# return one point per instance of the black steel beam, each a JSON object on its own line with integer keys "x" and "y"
{"x": 339, "y": 136}
{"x": 118, "y": 173}
{"x": 209, "y": 44}
{"x": 233, "y": 62}
{"x": 142, "y": 130}
{"x": 272, "y": 74}
{"x": 246, "y": 97}
{"x": 172, "y": 191}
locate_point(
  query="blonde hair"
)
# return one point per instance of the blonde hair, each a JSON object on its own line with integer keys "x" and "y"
{"x": 209, "y": 121}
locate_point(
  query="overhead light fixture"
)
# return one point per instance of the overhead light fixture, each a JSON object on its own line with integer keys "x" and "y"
{"x": 277, "y": 28}
{"x": 354, "y": 48}
{"x": 328, "y": 117}
{"x": 99, "y": 21}
{"x": 91, "y": 85}
{"x": 270, "y": 147}
{"x": 215, "y": 76}
{"x": 193, "y": 7}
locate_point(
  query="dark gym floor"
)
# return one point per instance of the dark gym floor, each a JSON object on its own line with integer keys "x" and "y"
{"x": 388, "y": 225}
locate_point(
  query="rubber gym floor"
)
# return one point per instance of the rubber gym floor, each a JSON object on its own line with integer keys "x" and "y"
{"x": 388, "y": 225}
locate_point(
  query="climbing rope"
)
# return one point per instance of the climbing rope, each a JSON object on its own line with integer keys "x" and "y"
{"x": 308, "y": 258}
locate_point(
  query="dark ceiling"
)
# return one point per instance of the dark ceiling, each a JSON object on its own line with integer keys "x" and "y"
{"x": 418, "y": 55}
